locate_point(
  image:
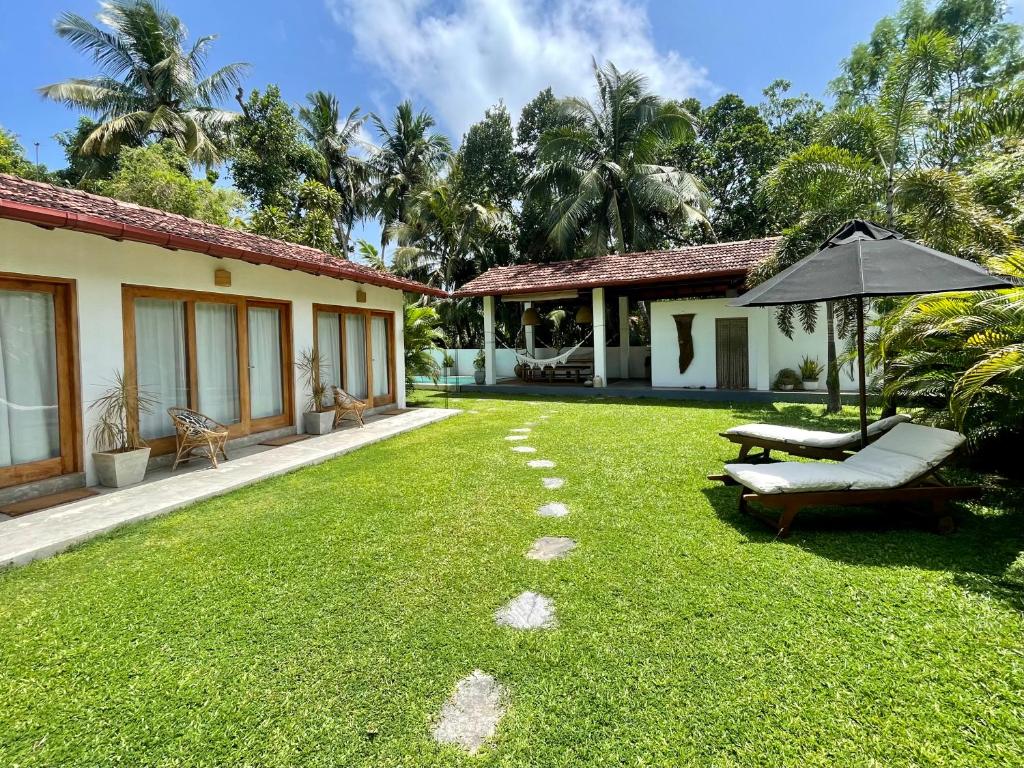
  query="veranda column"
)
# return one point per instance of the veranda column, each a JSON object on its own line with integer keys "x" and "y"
{"x": 529, "y": 329}
{"x": 490, "y": 370}
{"x": 600, "y": 348}
{"x": 624, "y": 337}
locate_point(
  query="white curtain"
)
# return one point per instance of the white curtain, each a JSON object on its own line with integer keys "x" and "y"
{"x": 217, "y": 361}
{"x": 29, "y": 424}
{"x": 379, "y": 350}
{"x": 265, "y": 397}
{"x": 328, "y": 340}
{"x": 161, "y": 360}
{"x": 355, "y": 356}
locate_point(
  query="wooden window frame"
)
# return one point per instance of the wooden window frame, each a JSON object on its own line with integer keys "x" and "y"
{"x": 69, "y": 387}
{"x": 366, "y": 314}
{"x": 246, "y": 425}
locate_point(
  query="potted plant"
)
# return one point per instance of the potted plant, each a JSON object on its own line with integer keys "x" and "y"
{"x": 787, "y": 380}
{"x": 317, "y": 419}
{"x": 448, "y": 363}
{"x": 810, "y": 373}
{"x": 480, "y": 367}
{"x": 121, "y": 456}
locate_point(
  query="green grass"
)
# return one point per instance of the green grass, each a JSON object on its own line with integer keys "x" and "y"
{"x": 323, "y": 617}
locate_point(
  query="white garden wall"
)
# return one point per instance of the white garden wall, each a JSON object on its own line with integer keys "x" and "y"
{"x": 769, "y": 349}
{"x": 100, "y": 266}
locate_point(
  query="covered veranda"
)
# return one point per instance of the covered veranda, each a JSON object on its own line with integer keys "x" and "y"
{"x": 609, "y": 287}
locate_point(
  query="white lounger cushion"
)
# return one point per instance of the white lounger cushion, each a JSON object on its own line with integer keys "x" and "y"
{"x": 815, "y": 438}
{"x": 908, "y": 451}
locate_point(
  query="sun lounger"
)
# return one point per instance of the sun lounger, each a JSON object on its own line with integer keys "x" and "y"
{"x": 898, "y": 468}
{"x": 811, "y": 444}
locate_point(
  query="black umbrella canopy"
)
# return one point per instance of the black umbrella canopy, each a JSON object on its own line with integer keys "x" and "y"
{"x": 864, "y": 260}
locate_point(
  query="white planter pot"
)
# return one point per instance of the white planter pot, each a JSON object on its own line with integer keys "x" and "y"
{"x": 117, "y": 470}
{"x": 318, "y": 422}
{"x": 812, "y": 385}
{"x": 786, "y": 387}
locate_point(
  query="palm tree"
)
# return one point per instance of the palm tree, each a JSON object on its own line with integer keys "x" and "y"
{"x": 334, "y": 138}
{"x": 443, "y": 236}
{"x": 421, "y": 334}
{"x": 600, "y": 175}
{"x": 149, "y": 86}
{"x": 410, "y": 155}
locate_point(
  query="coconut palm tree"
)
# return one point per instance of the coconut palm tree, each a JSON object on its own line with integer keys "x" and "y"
{"x": 334, "y": 138}
{"x": 421, "y": 334}
{"x": 600, "y": 175}
{"x": 410, "y": 155}
{"x": 151, "y": 86}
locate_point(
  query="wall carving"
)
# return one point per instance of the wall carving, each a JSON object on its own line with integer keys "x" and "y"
{"x": 684, "y": 330}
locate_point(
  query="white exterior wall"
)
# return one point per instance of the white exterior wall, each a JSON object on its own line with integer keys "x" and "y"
{"x": 769, "y": 349}
{"x": 100, "y": 266}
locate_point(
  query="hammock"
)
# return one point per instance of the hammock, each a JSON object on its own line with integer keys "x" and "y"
{"x": 548, "y": 362}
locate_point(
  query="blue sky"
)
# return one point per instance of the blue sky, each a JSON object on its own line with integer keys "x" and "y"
{"x": 456, "y": 56}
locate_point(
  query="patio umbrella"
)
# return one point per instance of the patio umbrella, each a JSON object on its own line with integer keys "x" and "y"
{"x": 863, "y": 260}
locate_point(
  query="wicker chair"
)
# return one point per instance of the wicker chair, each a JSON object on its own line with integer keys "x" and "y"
{"x": 345, "y": 404}
{"x": 195, "y": 432}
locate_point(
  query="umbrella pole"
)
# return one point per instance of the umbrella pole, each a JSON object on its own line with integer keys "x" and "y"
{"x": 863, "y": 376}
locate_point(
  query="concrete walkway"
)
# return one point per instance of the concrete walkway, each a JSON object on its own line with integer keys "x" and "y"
{"x": 45, "y": 533}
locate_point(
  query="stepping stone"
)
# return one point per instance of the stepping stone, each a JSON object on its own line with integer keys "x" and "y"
{"x": 524, "y": 449}
{"x": 530, "y": 424}
{"x": 528, "y": 611}
{"x": 541, "y": 464}
{"x": 470, "y": 717}
{"x": 551, "y": 548}
{"x": 520, "y": 429}
{"x": 517, "y": 437}
{"x": 553, "y": 509}
{"x": 553, "y": 483}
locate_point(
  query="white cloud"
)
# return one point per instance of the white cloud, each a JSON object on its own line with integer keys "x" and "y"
{"x": 461, "y": 61}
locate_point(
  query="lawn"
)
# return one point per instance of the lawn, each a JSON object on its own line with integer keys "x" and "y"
{"x": 322, "y": 618}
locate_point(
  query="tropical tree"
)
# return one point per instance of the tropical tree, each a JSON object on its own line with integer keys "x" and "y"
{"x": 152, "y": 85}
{"x": 334, "y": 138}
{"x": 422, "y": 335}
{"x": 409, "y": 157}
{"x": 13, "y": 160}
{"x": 601, "y": 174}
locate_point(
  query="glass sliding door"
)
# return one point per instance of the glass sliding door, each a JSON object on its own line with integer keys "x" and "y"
{"x": 381, "y": 357}
{"x": 226, "y": 357}
{"x": 266, "y": 392}
{"x": 29, "y": 419}
{"x": 328, "y": 335}
{"x": 217, "y": 361}
{"x": 355, "y": 356}
{"x": 161, "y": 355}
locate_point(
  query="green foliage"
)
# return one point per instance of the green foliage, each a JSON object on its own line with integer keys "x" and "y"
{"x": 116, "y": 427}
{"x": 152, "y": 84}
{"x": 159, "y": 176}
{"x": 312, "y": 374}
{"x": 490, "y": 171}
{"x": 83, "y": 171}
{"x": 810, "y": 369}
{"x": 422, "y": 335}
{"x": 13, "y": 160}
{"x": 602, "y": 175}
{"x": 787, "y": 377}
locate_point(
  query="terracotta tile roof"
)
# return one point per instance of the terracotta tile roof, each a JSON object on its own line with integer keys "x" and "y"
{"x": 733, "y": 259}
{"x": 52, "y": 206}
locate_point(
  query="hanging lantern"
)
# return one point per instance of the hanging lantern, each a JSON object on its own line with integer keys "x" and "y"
{"x": 585, "y": 315}
{"x": 531, "y": 317}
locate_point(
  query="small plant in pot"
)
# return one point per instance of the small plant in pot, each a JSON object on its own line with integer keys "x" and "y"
{"x": 810, "y": 373}
{"x": 787, "y": 380}
{"x": 448, "y": 363}
{"x": 480, "y": 367}
{"x": 121, "y": 456}
{"x": 318, "y": 418}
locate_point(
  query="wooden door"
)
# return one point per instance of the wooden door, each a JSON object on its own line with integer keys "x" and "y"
{"x": 731, "y": 353}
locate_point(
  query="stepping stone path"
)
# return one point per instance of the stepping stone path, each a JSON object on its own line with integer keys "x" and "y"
{"x": 517, "y": 437}
{"x": 528, "y": 611}
{"x": 553, "y": 483}
{"x": 553, "y": 509}
{"x": 541, "y": 464}
{"x": 551, "y": 548}
{"x": 524, "y": 449}
{"x": 470, "y": 717}
{"x": 520, "y": 429}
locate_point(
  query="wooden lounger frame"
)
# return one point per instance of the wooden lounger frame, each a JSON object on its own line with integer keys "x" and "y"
{"x": 928, "y": 488}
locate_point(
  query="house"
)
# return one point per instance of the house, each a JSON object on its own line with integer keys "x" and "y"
{"x": 696, "y": 339}
{"x": 198, "y": 315}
